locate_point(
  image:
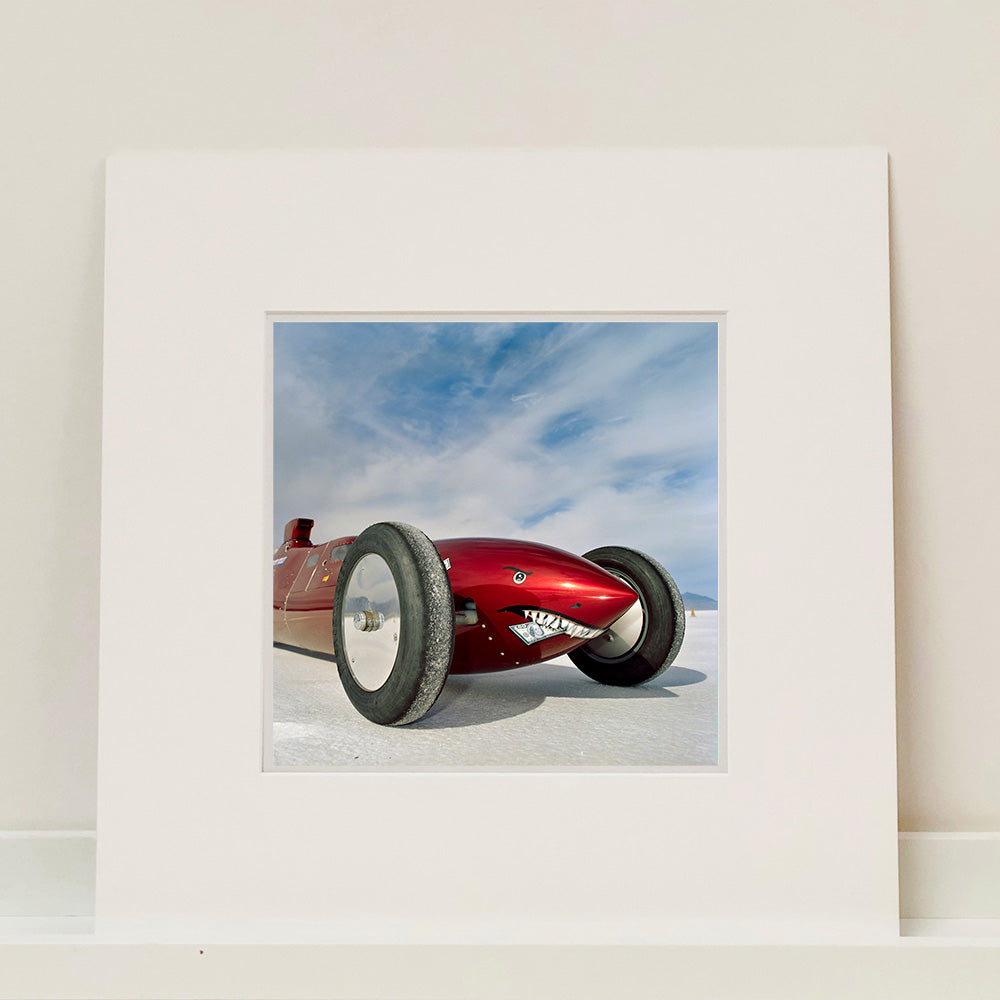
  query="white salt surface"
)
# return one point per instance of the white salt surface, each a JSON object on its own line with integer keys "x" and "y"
{"x": 549, "y": 715}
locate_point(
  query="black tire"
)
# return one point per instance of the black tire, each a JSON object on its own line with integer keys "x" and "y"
{"x": 661, "y": 630}
{"x": 393, "y": 690}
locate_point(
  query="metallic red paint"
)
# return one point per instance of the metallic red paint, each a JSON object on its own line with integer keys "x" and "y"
{"x": 486, "y": 570}
{"x": 494, "y": 580}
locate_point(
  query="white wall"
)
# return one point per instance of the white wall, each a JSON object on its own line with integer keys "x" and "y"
{"x": 918, "y": 78}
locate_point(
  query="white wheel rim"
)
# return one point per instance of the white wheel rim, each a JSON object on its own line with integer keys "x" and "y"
{"x": 624, "y": 634}
{"x": 371, "y": 622}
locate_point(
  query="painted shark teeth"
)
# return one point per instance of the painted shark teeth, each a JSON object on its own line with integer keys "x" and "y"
{"x": 556, "y": 623}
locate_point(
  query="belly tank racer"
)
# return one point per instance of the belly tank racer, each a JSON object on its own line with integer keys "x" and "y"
{"x": 400, "y": 612}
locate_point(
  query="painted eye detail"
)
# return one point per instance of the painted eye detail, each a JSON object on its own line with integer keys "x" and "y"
{"x": 520, "y": 575}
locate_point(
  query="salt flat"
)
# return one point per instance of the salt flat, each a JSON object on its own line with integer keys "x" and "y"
{"x": 549, "y": 715}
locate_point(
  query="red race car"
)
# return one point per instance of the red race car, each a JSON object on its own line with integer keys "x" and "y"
{"x": 400, "y": 612}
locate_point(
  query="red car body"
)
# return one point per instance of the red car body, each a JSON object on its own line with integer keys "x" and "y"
{"x": 516, "y": 602}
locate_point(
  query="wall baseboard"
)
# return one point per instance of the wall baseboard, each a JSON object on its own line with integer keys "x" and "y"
{"x": 950, "y": 876}
{"x": 47, "y": 873}
{"x": 943, "y": 876}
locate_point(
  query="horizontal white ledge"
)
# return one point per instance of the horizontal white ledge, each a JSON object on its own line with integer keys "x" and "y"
{"x": 45, "y": 873}
{"x": 910, "y": 968}
{"x": 951, "y": 876}
{"x": 77, "y": 931}
{"x": 386, "y": 932}
{"x": 943, "y": 877}
{"x": 965, "y": 931}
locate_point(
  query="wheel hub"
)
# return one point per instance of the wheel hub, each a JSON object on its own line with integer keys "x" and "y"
{"x": 371, "y": 622}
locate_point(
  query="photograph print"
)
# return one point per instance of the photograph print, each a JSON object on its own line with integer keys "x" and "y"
{"x": 496, "y": 545}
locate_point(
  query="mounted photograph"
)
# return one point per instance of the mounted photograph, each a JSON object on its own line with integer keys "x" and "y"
{"x": 475, "y": 527}
{"x": 496, "y": 544}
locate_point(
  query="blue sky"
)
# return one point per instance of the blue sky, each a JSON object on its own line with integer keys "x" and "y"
{"x": 573, "y": 434}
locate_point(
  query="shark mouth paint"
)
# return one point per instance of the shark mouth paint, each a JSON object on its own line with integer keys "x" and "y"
{"x": 542, "y": 624}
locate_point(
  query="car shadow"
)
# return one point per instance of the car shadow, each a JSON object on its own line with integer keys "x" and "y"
{"x": 480, "y": 699}
{"x": 475, "y": 700}
{"x": 680, "y": 677}
{"x": 461, "y": 705}
{"x": 314, "y": 654}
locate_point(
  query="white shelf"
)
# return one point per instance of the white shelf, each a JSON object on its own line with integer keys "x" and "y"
{"x": 62, "y": 954}
{"x": 910, "y": 967}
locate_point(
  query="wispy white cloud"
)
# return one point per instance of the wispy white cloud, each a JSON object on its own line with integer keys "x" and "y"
{"x": 573, "y": 434}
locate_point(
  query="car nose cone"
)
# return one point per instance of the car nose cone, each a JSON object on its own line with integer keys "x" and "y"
{"x": 602, "y": 598}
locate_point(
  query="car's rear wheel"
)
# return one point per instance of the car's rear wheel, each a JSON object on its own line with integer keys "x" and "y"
{"x": 393, "y": 623}
{"x": 647, "y": 638}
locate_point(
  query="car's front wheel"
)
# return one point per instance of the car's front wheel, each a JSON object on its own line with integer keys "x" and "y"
{"x": 393, "y": 623}
{"x": 647, "y": 638}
